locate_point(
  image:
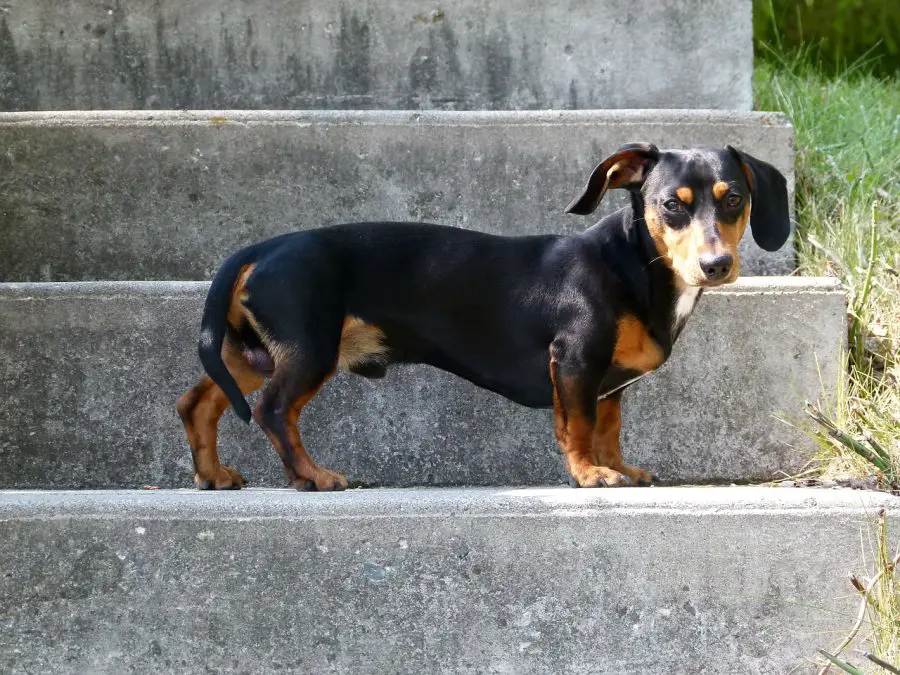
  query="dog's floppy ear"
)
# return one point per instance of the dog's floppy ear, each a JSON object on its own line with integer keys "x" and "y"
{"x": 626, "y": 168}
{"x": 770, "y": 219}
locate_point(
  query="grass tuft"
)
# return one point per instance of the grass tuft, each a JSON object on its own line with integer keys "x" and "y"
{"x": 879, "y": 612}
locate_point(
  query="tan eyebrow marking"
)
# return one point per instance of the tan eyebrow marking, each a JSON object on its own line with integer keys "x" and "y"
{"x": 720, "y": 189}
{"x": 685, "y": 194}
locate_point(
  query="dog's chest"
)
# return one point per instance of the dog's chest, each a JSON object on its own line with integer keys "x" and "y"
{"x": 636, "y": 350}
{"x": 684, "y": 307}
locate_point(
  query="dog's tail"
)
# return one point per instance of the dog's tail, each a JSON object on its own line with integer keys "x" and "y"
{"x": 213, "y": 327}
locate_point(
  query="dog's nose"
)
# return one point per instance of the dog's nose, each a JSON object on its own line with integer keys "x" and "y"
{"x": 716, "y": 267}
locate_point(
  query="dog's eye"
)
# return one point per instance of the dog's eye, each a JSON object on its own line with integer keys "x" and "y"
{"x": 672, "y": 205}
{"x": 733, "y": 201}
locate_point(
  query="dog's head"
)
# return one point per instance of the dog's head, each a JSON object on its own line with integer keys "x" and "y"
{"x": 696, "y": 205}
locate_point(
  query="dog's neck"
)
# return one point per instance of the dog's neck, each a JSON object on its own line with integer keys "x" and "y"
{"x": 657, "y": 297}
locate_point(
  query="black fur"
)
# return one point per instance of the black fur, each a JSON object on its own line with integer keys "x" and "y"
{"x": 770, "y": 219}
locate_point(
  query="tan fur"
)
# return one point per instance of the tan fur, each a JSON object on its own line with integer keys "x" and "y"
{"x": 720, "y": 189}
{"x": 730, "y": 235}
{"x": 574, "y": 430}
{"x": 621, "y": 173}
{"x": 605, "y": 442}
{"x": 360, "y": 342}
{"x": 238, "y": 314}
{"x": 300, "y": 467}
{"x": 616, "y": 176}
{"x": 679, "y": 249}
{"x": 279, "y": 351}
{"x": 239, "y": 296}
{"x": 685, "y": 194}
{"x": 200, "y": 410}
{"x": 635, "y": 349}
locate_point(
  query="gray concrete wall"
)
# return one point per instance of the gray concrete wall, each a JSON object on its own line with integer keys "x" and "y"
{"x": 170, "y": 195}
{"x": 91, "y": 373}
{"x": 285, "y": 54}
{"x": 721, "y": 580}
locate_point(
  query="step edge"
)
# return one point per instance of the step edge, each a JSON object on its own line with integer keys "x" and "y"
{"x": 436, "y": 502}
{"x": 617, "y": 117}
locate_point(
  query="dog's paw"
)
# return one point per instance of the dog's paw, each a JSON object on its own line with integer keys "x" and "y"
{"x": 600, "y": 476}
{"x": 639, "y": 476}
{"x": 323, "y": 481}
{"x": 225, "y": 478}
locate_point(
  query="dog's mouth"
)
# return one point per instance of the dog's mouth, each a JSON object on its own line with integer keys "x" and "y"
{"x": 706, "y": 283}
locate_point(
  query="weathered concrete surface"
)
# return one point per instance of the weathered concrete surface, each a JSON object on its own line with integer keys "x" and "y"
{"x": 464, "y": 55}
{"x": 662, "y": 580}
{"x": 91, "y": 373}
{"x": 169, "y": 195}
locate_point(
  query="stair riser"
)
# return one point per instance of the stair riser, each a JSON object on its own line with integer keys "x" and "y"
{"x": 240, "y": 582}
{"x": 472, "y": 54}
{"x": 92, "y": 373}
{"x": 170, "y": 195}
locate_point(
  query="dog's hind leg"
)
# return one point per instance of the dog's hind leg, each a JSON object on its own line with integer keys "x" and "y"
{"x": 305, "y": 345}
{"x": 200, "y": 410}
{"x": 291, "y": 388}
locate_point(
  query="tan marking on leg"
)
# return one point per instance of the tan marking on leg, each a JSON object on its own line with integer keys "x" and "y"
{"x": 304, "y": 467}
{"x": 239, "y": 296}
{"x": 685, "y": 194}
{"x": 360, "y": 342}
{"x": 606, "y": 441}
{"x": 289, "y": 474}
{"x": 573, "y": 433}
{"x": 200, "y": 410}
{"x": 239, "y": 313}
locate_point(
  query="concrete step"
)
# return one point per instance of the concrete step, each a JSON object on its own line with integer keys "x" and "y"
{"x": 468, "y": 54}
{"x": 92, "y": 196}
{"x": 658, "y": 580}
{"x": 91, "y": 373}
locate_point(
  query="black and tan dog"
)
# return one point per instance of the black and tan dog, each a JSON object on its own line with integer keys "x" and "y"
{"x": 545, "y": 321}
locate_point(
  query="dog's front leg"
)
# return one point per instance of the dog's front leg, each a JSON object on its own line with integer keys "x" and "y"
{"x": 606, "y": 440}
{"x": 575, "y": 417}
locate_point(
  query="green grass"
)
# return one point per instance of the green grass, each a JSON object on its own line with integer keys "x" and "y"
{"x": 845, "y": 29}
{"x": 848, "y": 217}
